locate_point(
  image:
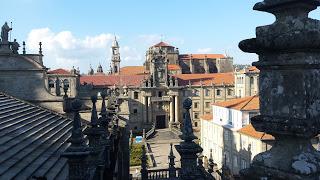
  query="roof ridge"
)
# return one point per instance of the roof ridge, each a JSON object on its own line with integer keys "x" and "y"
{"x": 247, "y": 102}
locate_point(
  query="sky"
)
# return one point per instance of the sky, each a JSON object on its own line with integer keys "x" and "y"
{"x": 79, "y": 32}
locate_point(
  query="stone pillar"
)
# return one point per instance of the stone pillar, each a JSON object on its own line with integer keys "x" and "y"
{"x": 145, "y": 101}
{"x": 177, "y": 110}
{"x": 171, "y": 112}
{"x": 149, "y": 109}
{"x": 191, "y": 65}
{"x": 205, "y": 65}
{"x": 289, "y": 61}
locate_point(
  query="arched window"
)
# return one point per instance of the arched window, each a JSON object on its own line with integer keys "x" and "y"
{"x": 51, "y": 83}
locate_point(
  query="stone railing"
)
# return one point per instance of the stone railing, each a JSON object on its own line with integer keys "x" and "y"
{"x": 151, "y": 131}
{"x": 161, "y": 174}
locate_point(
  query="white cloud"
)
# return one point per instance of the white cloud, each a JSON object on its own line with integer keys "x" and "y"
{"x": 64, "y": 50}
{"x": 204, "y": 50}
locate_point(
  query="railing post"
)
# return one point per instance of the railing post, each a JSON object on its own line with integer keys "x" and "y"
{"x": 144, "y": 171}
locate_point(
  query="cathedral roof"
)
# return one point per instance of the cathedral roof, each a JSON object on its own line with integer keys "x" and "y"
{"x": 59, "y": 71}
{"x": 32, "y": 139}
{"x": 201, "y": 56}
{"x": 162, "y": 44}
{"x": 206, "y": 79}
{"x": 249, "y": 103}
{"x": 133, "y": 70}
{"x": 110, "y": 80}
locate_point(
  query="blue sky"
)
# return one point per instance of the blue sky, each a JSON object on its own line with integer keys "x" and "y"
{"x": 79, "y": 33}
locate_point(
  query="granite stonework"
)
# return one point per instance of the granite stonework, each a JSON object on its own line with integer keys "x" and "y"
{"x": 289, "y": 63}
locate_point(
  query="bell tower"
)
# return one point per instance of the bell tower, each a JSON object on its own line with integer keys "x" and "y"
{"x": 115, "y": 59}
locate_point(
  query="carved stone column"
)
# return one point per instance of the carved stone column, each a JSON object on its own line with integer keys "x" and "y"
{"x": 289, "y": 63}
{"x": 171, "y": 111}
{"x": 177, "y": 109}
{"x": 145, "y": 101}
{"x": 149, "y": 109}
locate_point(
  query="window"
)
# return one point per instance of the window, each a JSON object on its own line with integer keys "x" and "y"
{"x": 196, "y": 92}
{"x": 135, "y": 111}
{"x": 251, "y": 80}
{"x": 196, "y": 124}
{"x": 230, "y": 92}
{"x": 51, "y": 83}
{"x": 135, "y": 95}
{"x": 207, "y": 104}
{"x": 196, "y": 115}
{"x": 207, "y": 92}
{"x": 235, "y": 161}
{"x": 243, "y": 164}
{"x": 196, "y": 105}
{"x": 218, "y": 92}
{"x": 160, "y": 94}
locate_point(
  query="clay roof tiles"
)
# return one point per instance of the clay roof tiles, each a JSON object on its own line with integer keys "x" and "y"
{"x": 133, "y": 70}
{"x": 162, "y": 44}
{"x": 173, "y": 67}
{"x": 201, "y": 56}
{"x": 59, "y": 71}
{"x": 250, "y": 131}
{"x": 206, "y": 79}
{"x": 207, "y": 117}
{"x": 110, "y": 80}
{"x": 243, "y": 104}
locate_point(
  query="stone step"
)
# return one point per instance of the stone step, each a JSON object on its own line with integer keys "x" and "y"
{"x": 13, "y": 119}
{"x": 58, "y": 169}
{"x": 11, "y": 105}
{"x": 25, "y": 127}
{"x": 42, "y": 154}
{"x": 8, "y": 111}
{"x": 64, "y": 171}
{"x": 54, "y": 158}
{"x": 14, "y": 114}
{"x": 28, "y": 148}
{"x": 23, "y": 142}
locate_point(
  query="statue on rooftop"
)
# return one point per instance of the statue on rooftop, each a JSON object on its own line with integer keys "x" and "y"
{"x": 15, "y": 46}
{"x": 5, "y": 32}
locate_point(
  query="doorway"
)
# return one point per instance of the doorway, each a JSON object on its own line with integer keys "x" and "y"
{"x": 160, "y": 122}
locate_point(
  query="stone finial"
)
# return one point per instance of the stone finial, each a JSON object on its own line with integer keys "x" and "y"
{"x": 23, "y": 47}
{"x": 289, "y": 80}
{"x": 94, "y": 115}
{"x": 172, "y": 169}
{"x": 144, "y": 171}
{"x": 103, "y": 113}
{"x": 176, "y": 82}
{"x": 187, "y": 131}
{"x": 211, "y": 163}
{"x": 40, "y": 48}
{"x": 77, "y": 137}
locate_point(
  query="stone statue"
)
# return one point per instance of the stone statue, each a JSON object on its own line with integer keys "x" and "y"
{"x": 15, "y": 46}
{"x": 4, "y": 32}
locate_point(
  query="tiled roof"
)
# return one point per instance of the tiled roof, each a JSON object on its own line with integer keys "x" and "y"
{"x": 243, "y": 104}
{"x": 201, "y": 56}
{"x": 110, "y": 80}
{"x": 252, "y": 69}
{"x": 173, "y": 67}
{"x": 250, "y": 131}
{"x": 162, "y": 44}
{"x": 207, "y": 117}
{"x": 133, "y": 70}
{"x": 59, "y": 71}
{"x": 31, "y": 141}
{"x": 207, "y": 79}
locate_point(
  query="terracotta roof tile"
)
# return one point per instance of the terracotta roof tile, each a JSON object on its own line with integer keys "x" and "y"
{"x": 162, "y": 44}
{"x": 250, "y": 131}
{"x": 201, "y": 56}
{"x": 252, "y": 69}
{"x": 243, "y": 104}
{"x": 207, "y": 117}
{"x": 173, "y": 67}
{"x": 133, "y": 70}
{"x": 207, "y": 79}
{"x": 110, "y": 80}
{"x": 59, "y": 71}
